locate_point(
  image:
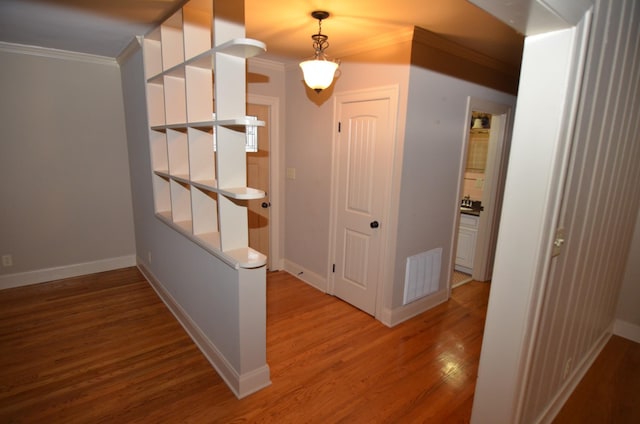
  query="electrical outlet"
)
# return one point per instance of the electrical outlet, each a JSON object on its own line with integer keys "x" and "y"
{"x": 7, "y": 260}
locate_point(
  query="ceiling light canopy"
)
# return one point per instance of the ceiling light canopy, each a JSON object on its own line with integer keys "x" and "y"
{"x": 319, "y": 71}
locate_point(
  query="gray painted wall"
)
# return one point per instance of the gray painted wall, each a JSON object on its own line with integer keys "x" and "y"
{"x": 64, "y": 175}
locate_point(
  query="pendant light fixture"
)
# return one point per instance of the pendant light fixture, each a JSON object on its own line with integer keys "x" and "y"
{"x": 319, "y": 71}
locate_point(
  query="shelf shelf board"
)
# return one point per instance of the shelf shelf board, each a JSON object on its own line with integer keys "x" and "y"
{"x": 246, "y": 257}
{"x": 209, "y": 185}
{"x": 239, "y": 47}
{"x": 183, "y": 178}
{"x": 241, "y": 193}
{"x": 165, "y": 216}
{"x": 240, "y": 123}
{"x": 211, "y": 240}
{"x": 185, "y": 226}
{"x": 164, "y": 173}
{"x": 242, "y": 47}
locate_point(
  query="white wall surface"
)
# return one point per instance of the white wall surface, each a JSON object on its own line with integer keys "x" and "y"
{"x": 434, "y": 139}
{"x": 64, "y": 175}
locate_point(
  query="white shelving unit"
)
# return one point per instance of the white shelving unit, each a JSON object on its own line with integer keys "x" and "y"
{"x": 200, "y": 189}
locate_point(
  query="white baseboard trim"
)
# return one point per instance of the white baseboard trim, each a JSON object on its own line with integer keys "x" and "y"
{"x": 241, "y": 385}
{"x": 627, "y": 330}
{"x": 309, "y": 277}
{"x": 573, "y": 380}
{"x": 392, "y": 317}
{"x": 68, "y": 271}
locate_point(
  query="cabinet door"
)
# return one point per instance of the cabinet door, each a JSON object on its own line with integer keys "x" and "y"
{"x": 466, "y": 248}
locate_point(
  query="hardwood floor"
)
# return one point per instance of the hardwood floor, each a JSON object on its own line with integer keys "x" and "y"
{"x": 610, "y": 391}
{"x": 103, "y": 348}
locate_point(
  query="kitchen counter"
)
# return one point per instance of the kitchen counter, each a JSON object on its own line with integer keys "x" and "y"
{"x": 469, "y": 211}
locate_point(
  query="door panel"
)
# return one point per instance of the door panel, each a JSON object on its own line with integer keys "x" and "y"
{"x": 364, "y": 153}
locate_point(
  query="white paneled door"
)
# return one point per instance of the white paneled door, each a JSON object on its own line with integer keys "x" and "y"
{"x": 364, "y": 151}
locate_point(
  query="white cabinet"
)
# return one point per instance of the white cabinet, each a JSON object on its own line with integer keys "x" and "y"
{"x": 467, "y": 234}
{"x": 199, "y": 186}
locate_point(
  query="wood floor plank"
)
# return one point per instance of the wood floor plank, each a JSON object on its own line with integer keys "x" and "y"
{"x": 104, "y": 348}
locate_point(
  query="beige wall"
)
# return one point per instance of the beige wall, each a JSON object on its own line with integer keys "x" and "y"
{"x": 64, "y": 172}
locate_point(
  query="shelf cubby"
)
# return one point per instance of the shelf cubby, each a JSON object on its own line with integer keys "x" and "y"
{"x": 178, "y": 154}
{"x": 181, "y": 205}
{"x": 158, "y": 147}
{"x": 171, "y": 37}
{"x": 204, "y": 205}
{"x": 175, "y": 104}
{"x": 155, "y": 98}
{"x": 197, "y": 18}
{"x": 199, "y": 91}
{"x": 152, "y": 52}
{"x": 162, "y": 195}
{"x": 201, "y": 156}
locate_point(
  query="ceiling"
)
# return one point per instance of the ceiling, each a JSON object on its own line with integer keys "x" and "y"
{"x": 105, "y": 27}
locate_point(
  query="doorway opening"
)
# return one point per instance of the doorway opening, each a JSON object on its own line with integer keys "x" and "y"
{"x": 263, "y": 173}
{"x": 482, "y": 175}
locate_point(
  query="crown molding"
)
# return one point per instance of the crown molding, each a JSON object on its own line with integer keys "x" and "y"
{"x": 266, "y": 64}
{"x": 402, "y": 35}
{"x": 130, "y": 50}
{"x": 56, "y": 54}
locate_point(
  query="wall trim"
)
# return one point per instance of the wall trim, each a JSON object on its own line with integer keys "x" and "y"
{"x": 67, "y": 271}
{"x": 378, "y": 42}
{"x": 315, "y": 280}
{"x": 56, "y": 54}
{"x": 130, "y": 50}
{"x": 266, "y": 64}
{"x": 627, "y": 330}
{"x": 392, "y": 317}
{"x": 241, "y": 385}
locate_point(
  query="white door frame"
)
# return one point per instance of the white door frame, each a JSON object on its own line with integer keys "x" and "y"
{"x": 551, "y": 76}
{"x": 386, "y": 231}
{"x": 276, "y": 154}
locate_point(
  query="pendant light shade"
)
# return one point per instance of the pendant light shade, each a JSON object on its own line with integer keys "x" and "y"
{"x": 319, "y": 72}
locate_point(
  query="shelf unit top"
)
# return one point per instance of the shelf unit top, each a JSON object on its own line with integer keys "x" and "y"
{"x": 239, "y": 47}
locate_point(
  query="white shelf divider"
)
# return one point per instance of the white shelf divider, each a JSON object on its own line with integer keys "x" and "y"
{"x": 199, "y": 184}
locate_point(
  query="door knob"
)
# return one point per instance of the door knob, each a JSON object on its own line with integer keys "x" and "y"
{"x": 266, "y": 204}
{"x": 374, "y": 224}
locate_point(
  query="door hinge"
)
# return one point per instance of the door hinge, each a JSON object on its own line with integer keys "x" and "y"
{"x": 339, "y": 126}
{"x": 334, "y": 268}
